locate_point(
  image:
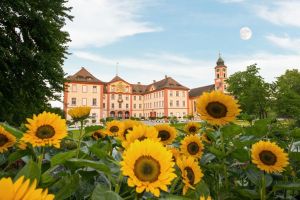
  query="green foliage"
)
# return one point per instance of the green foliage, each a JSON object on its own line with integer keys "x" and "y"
{"x": 251, "y": 91}
{"x": 287, "y": 94}
{"x": 32, "y": 51}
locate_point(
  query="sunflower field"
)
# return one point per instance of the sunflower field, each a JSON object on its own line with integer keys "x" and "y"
{"x": 212, "y": 159}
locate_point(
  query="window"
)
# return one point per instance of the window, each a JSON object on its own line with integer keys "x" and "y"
{"x": 84, "y": 102}
{"x": 177, "y": 93}
{"x": 162, "y": 93}
{"x": 74, "y": 88}
{"x": 171, "y": 103}
{"x": 127, "y": 106}
{"x": 183, "y": 93}
{"x": 127, "y": 97}
{"x": 183, "y": 103}
{"x": 103, "y": 105}
{"x": 120, "y": 96}
{"x": 94, "y": 89}
{"x": 112, "y": 96}
{"x": 140, "y": 106}
{"x": 224, "y": 75}
{"x": 73, "y": 101}
{"x": 171, "y": 114}
{"x": 140, "y": 114}
{"x": 195, "y": 106}
{"x": 94, "y": 115}
{"x": 171, "y": 93}
{"x": 94, "y": 101}
{"x": 218, "y": 75}
{"x": 120, "y": 105}
{"x": 225, "y": 87}
{"x": 84, "y": 88}
{"x": 177, "y": 103}
{"x": 112, "y": 105}
{"x": 140, "y": 97}
{"x": 134, "y": 115}
{"x": 134, "y": 97}
{"x": 134, "y": 106}
{"x": 218, "y": 70}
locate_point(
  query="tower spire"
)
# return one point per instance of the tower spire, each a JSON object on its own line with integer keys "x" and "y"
{"x": 117, "y": 68}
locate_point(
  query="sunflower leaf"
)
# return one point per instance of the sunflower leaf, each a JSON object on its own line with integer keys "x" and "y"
{"x": 31, "y": 170}
{"x": 102, "y": 193}
{"x": 61, "y": 158}
{"x": 287, "y": 186}
{"x": 17, "y": 133}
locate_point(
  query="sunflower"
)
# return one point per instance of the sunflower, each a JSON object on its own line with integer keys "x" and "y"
{"x": 45, "y": 129}
{"x": 79, "y": 113}
{"x": 192, "y": 145}
{"x": 101, "y": 133}
{"x": 148, "y": 165}
{"x": 190, "y": 171}
{"x": 114, "y": 128}
{"x": 192, "y": 128}
{"x": 22, "y": 189}
{"x": 22, "y": 145}
{"x": 128, "y": 126}
{"x": 269, "y": 157}
{"x": 140, "y": 132}
{"x": 6, "y": 140}
{"x": 166, "y": 133}
{"x": 175, "y": 152}
{"x": 205, "y": 198}
{"x": 217, "y": 108}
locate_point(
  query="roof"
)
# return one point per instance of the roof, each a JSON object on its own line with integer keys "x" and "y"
{"x": 117, "y": 78}
{"x": 195, "y": 92}
{"x": 167, "y": 82}
{"x": 138, "y": 88}
{"x": 83, "y": 76}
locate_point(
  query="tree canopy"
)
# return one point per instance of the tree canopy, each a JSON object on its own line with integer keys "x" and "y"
{"x": 251, "y": 91}
{"x": 287, "y": 94}
{"x": 32, "y": 52}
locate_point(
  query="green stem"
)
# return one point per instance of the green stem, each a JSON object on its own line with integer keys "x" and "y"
{"x": 41, "y": 157}
{"x": 224, "y": 163}
{"x": 174, "y": 184}
{"x": 80, "y": 138}
{"x": 118, "y": 186}
{"x": 263, "y": 187}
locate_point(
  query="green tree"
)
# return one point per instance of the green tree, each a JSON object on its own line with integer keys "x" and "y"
{"x": 287, "y": 94}
{"x": 32, "y": 52}
{"x": 251, "y": 91}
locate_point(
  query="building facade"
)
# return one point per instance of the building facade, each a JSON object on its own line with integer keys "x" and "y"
{"x": 121, "y": 99}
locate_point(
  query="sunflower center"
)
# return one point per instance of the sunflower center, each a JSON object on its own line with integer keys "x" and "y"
{"x": 98, "y": 135}
{"x": 146, "y": 169}
{"x": 45, "y": 131}
{"x": 193, "y": 148}
{"x": 268, "y": 157}
{"x": 190, "y": 175}
{"x": 114, "y": 129}
{"x": 192, "y": 129}
{"x": 142, "y": 138}
{"x": 164, "y": 135}
{"x": 3, "y": 140}
{"x": 216, "y": 109}
{"x": 126, "y": 131}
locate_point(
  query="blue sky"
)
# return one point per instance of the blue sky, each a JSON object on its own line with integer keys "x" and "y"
{"x": 182, "y": 38}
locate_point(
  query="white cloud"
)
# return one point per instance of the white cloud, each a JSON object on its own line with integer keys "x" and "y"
{"x": 190, "y": 72}
{"x": 282, "y": 12}
{"x": 102, "y": 22}
{"x": 285, "y": 42}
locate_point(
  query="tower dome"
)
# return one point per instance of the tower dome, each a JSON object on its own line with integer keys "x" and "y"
{"x": 220, "y": 61}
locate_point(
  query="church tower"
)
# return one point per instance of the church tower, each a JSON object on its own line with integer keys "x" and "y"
{"x": 220, "y": 75}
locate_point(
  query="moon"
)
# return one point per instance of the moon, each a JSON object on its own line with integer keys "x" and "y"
{"x": 245, "y": 33}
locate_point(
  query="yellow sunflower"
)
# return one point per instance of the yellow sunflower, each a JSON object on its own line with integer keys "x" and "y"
{"x": 22, "y": 190}
{"x": 175, "y": 152}
{"x": 99, "y": 134}
{"x": 269, "y": 157}
{"x": 192, "y": 128}
{"x": 217, "y": 108}
{"x": 190, "y": 171}
{"x": 22, "y": 145}
{"x": 166, "y": 133}
{"x": 148, "y": 165}
{"x": 205, "y": 198}
{"x": 192, "y": 145}
{"x": 6, "y": 140}
{"x": 45, "y": 129}
{"x": 128, "y": 126}
{"x": 140, "y": 132}
{"x": 79, "y": 113}
{"x": 114, "y": 128}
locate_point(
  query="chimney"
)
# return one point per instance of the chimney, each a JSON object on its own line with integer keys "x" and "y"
{"x": 166, "y": 76}
{"x": 139, "y": 83}
{"x": 154, "y": 81}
